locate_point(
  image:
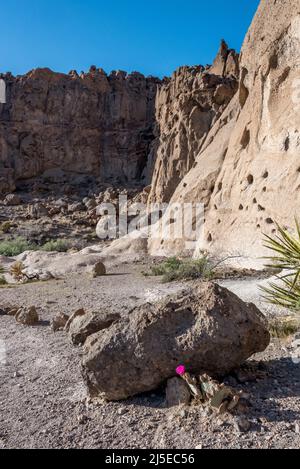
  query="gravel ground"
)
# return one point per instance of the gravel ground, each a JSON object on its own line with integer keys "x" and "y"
{"x": 43, "y": 402}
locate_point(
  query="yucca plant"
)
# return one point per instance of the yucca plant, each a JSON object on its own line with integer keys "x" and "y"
{"x": 286, "y": 259}
{"x": 16, "y": 270}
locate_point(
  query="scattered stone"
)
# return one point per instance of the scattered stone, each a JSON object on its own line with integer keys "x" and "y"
{"x": 27, "y": 316}
{"x": 37, "y": 211}
{"x": 82, "y": 419}
{"x": 177, "y": 393}
{"x": 79, "y": 312}
{"x": 242, "y": 425}
{"x": 77, "y": 207}
{"x": 59, "y": 322}
{"x": 12, "y": 311}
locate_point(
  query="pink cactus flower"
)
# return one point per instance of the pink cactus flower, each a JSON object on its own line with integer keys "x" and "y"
{"x": 180, "y": 370}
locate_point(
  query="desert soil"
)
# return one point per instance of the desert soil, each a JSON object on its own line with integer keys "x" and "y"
{"x": 43, "y": 400}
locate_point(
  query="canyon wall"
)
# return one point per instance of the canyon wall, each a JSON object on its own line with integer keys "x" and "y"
{"x": 118, "y": 128}
{"x": 247, "y": 173}
{"x": 186, "y": 109}
{"x": 89, "y": 124}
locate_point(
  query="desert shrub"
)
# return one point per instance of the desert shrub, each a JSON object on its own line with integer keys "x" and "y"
{"x": 183, "y": 269}
{"x": 58, "y": 245}
{"x": 5, "y": 226}
{"x": 14, "y": 247}
{"x": 286, "y": 261}
{"x": 284, "y": 327}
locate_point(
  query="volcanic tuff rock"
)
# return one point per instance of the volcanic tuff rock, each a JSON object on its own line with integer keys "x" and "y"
{"x": 186, "y": 109}
{"x": 92, "y": 124}
{"x": 247, "y": 172}
{"x": 207, "y": 328}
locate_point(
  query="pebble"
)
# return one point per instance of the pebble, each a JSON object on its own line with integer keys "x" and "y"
{"x": 241, "y": 424}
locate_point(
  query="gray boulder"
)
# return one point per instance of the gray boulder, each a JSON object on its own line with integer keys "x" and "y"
{"x": 206, "y": 328}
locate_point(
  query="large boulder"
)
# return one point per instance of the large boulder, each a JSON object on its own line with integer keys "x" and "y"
{"x": 207, "y": 328}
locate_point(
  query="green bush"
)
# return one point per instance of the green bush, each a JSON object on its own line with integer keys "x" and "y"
{"x": 285, "y": 260}
{"x": 183, "y": 269}
{"x": 14, "y": 247}
{"x": 2, "y": 280}
{"x": 59, "y": 245}
{"x": 5, "y": 226}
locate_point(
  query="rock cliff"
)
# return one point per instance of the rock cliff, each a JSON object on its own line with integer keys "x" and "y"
{"x": 89, "y": 124}
{"x": 247, "y": 171}
{"x": 186, "y": 109}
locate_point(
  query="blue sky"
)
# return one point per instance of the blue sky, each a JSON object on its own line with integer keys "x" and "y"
{"x": 153, "y": 37}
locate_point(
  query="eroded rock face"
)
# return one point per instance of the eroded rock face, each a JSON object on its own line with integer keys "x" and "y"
{"x": 27, "y": 316}
{"x": 247, "y": 171}
{"x": 186, "y": 109}
{"x": 89, "y": 124}
{"x": 207, "y": 328}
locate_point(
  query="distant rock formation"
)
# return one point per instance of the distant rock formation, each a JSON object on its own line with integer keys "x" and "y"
{"x": 247, "y": 172}
{"x": 186, "y": 109}
{"x": 116, "y": 127}
{"x": 88, "y": 124}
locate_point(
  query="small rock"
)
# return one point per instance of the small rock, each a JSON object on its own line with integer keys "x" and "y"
{"x": 27, "y": 316}
{"x": 59, "y": 322}
{"x": 90, "y": 204}
{"x": 76, "y": 207}
{"x": 79, "y": 312}
{"x": 98, "y": 270}
{"x": 177, "y": 393}
{"x": 12, "y": 311}
{"x": 297, "y": 428}
{"x": 82, "y": 419}
{"x": 242, "y": 425}
{"x": 183, "y": 414}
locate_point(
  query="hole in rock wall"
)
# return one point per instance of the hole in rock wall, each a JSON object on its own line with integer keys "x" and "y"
{"x": 273, "y": 62}
{"x": 250, "y": 179}
{"x": 243, "y": 91}
{"x": 245, "y": 140}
